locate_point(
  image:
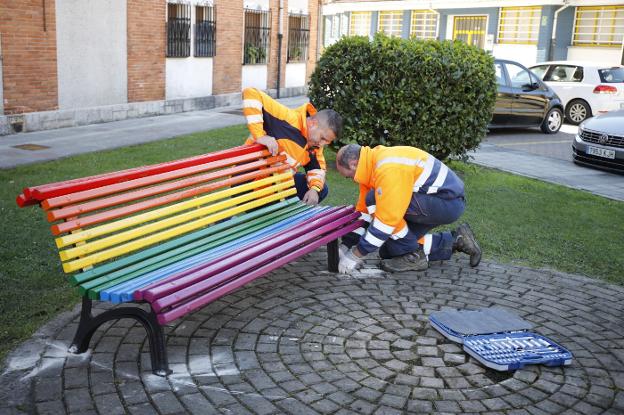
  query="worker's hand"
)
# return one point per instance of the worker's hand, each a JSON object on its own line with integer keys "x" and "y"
{"x": 269, "y": 142}
{"x": 349, "y": 261}
{"x": 311, "y": 197}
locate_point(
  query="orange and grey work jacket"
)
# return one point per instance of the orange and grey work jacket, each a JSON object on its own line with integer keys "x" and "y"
{"x": 396, "y": 173}
{"x": 265, "y": 116}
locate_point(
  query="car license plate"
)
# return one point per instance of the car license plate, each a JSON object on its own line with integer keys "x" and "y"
{"x": 601, "y": 152}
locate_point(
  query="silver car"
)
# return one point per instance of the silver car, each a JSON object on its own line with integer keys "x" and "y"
{"x": 600, "y": 141}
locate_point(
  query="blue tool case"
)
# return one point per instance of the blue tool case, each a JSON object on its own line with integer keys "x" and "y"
{"x": 499, "y": 339}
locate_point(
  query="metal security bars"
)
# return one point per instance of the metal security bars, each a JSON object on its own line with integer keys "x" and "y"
{"x": 257, "y": 36}
{"x": 178, "y": 30}
{"x": 298, "y": 37}
{"x": 599, "y": 26}
{"x": 205, "y": 31}
{"x": 519, "y": 25}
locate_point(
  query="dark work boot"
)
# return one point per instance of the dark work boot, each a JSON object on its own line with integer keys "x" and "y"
{"x": 466, "y": 242}
{"x": 414, "y": 261}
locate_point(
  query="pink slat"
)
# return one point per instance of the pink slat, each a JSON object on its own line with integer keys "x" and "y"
{"x": 204, "y": 299}
{"x": 208, "y": 281}
{"x": 195, "y": 274}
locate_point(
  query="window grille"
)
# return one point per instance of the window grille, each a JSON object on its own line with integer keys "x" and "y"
{"x": 519, "y": 25}
{"x": 335, "y": 28}
{"x": 391, "y": 23}
{"x": 360, "y": 24}
{"x": 178, "y": 30}
{"x": 599, "y": 26}
{"x": 424, "y": 24}
{"x": 298, "y": 37}
{"x": 205, "y": 31}
{"x": 257, "y": 36}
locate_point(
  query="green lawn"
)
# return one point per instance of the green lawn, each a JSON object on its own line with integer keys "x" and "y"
{"x": 517, "y": 220}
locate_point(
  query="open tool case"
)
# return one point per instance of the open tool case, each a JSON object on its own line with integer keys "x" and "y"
{"x": 499, "y": 339}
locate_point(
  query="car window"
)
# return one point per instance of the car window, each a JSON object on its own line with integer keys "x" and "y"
{"x": 565, "y": 73}
{"x": 500, "y": 75}
{"x": 518, "y": 75}
{"x": 540, "y": 71}
{"x": 611, "y": 75}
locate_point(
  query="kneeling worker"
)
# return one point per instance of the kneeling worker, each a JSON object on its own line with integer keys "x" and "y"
{"x": 404, "y": 193}
{"x": 298, "y": 133}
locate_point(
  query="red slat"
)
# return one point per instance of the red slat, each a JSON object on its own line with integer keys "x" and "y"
{"x": 33, "y": 195}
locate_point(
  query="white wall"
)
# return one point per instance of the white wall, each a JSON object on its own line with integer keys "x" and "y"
{"x": 91, "y": 53}
{"x": 256, "y": 4}
{"x": 610, "y": 56}
{"x": 188, "y": 77}
{"x": 298, "y": 6}
{"x": 295, "y": 74}
{"x": 1, "y": 83}
{"x": 524, "y": 54}
{"x": 254, "y": 76}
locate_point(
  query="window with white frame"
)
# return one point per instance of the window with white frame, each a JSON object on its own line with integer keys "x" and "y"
{"x": 344, "y": 24}
{"x": 391, "y": 22}
{"x": 335, "y": 30}
{"x": 599, "y": 26}
{"x": 360, "y": 24}
{"x": 424, "y": 24}
{"x": 519, "y": 25}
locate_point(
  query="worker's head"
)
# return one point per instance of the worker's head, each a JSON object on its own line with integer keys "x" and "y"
{"x": 347, "y": 160}
{"x": 323, "y": 128}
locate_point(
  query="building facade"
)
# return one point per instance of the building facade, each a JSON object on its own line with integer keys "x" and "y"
{"x": 527, "y": 31}
{"x": 74, "y": 62}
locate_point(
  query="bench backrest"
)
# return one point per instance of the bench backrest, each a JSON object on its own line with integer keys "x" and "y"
{"x": 100, "y": 218}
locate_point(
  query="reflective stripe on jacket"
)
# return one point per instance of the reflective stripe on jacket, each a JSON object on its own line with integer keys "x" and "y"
{"x": 265, "y": 116}
{"x": 396, "y": 173}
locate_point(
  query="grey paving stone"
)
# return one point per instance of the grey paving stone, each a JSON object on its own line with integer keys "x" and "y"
{"x": 51, "y": 408}
{"x": 109, "y": 404}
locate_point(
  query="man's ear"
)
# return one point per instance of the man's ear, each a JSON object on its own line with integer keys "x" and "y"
{"x": 313, "y": 121}
{"x": 353, "y": 165}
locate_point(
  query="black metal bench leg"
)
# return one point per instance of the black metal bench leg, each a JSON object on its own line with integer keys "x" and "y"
{"x": 332, "y": 256}
{"x": 89, "y": 324}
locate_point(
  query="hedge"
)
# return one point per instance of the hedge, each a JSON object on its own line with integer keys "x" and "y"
{"x": 435, "y": 95}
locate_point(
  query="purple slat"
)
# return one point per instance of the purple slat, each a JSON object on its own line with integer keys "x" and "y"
{"x": 204, "y": 299}
{"x": 187, "y": 277}
{"x": 207, "y": 281}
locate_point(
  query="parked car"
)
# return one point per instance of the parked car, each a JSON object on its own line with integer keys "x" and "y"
{"x": 585, "y": 89}
{"x": 600, "y": 141}
{"x": 523, "y": 100}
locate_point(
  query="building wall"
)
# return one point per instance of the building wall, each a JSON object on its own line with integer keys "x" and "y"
{"x": 313, "y": 51}
{"x": 295, "y": 75}
{"x": 146, "y": 50}
{"x": 226, "y": 73}
{"x": 91, "y": 53}
{"x": 1, "y": 83}
{"x": 273, "y": 61}
{"x": 254, "y": 76}
{"x": 29, "y": 55}
{"x": 563, "y": 37}
{"x": 607, "y": 56}
{"x": 544, "y": 40}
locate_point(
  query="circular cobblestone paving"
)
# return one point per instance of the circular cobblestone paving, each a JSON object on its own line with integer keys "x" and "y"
{"x": 307, "y": 341}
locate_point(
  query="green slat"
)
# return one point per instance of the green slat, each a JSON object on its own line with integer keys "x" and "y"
{"x": 94, "y": 287}
{"x": 140, "y": 256}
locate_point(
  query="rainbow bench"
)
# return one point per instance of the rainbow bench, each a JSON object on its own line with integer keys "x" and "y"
{"x": 178, "y": 235}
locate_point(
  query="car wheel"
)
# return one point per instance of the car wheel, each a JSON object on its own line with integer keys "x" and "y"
{"x": 552, "y": 122}
{"x": 578, "y": 111}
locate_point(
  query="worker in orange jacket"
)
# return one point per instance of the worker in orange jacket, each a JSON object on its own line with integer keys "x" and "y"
{"x": 299, "y": 133}
{"x": 404, "y": 193}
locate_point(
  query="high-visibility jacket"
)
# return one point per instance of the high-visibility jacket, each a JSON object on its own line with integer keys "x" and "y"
{"x": 396, "y": 173}
{"x": 265, "y": 116}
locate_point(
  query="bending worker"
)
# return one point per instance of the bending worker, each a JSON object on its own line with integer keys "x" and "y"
{"x": 299, "y": 133}
{"x": 404, "y": 193}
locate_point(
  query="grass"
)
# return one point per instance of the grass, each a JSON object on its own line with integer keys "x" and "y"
{"x": 517, "y": 220}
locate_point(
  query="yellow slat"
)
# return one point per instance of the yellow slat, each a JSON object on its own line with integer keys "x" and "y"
{"x": 162, "y": 212}
{"x": 170, "y": 233}
{"x": 134, "y": 233}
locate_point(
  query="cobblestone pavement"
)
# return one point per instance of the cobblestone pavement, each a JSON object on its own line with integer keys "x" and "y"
{"x": 305, "y": 341}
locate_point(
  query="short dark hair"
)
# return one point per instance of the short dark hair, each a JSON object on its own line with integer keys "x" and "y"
{"x": 332, "y": 120}
{"x": 350, "y": 152}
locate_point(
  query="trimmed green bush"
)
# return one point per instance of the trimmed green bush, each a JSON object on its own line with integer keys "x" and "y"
{"x": 435, "y": 95}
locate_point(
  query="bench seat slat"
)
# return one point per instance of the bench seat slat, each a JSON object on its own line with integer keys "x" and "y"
{"x": 164, "y": 189}
{"x": 195, "y": 207}
{"x": 122, "y": 289}
{"x": 162, "y": 261}
{"x": 275, "y": 241}
{"x": 33, "y": 195}
{"x": 181, "y": 241}
{"x": 110, "y": 189}
{"x": 201, "y": 300}
{"x": 122, "y": 249}
{"x": 126, "y": 291}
